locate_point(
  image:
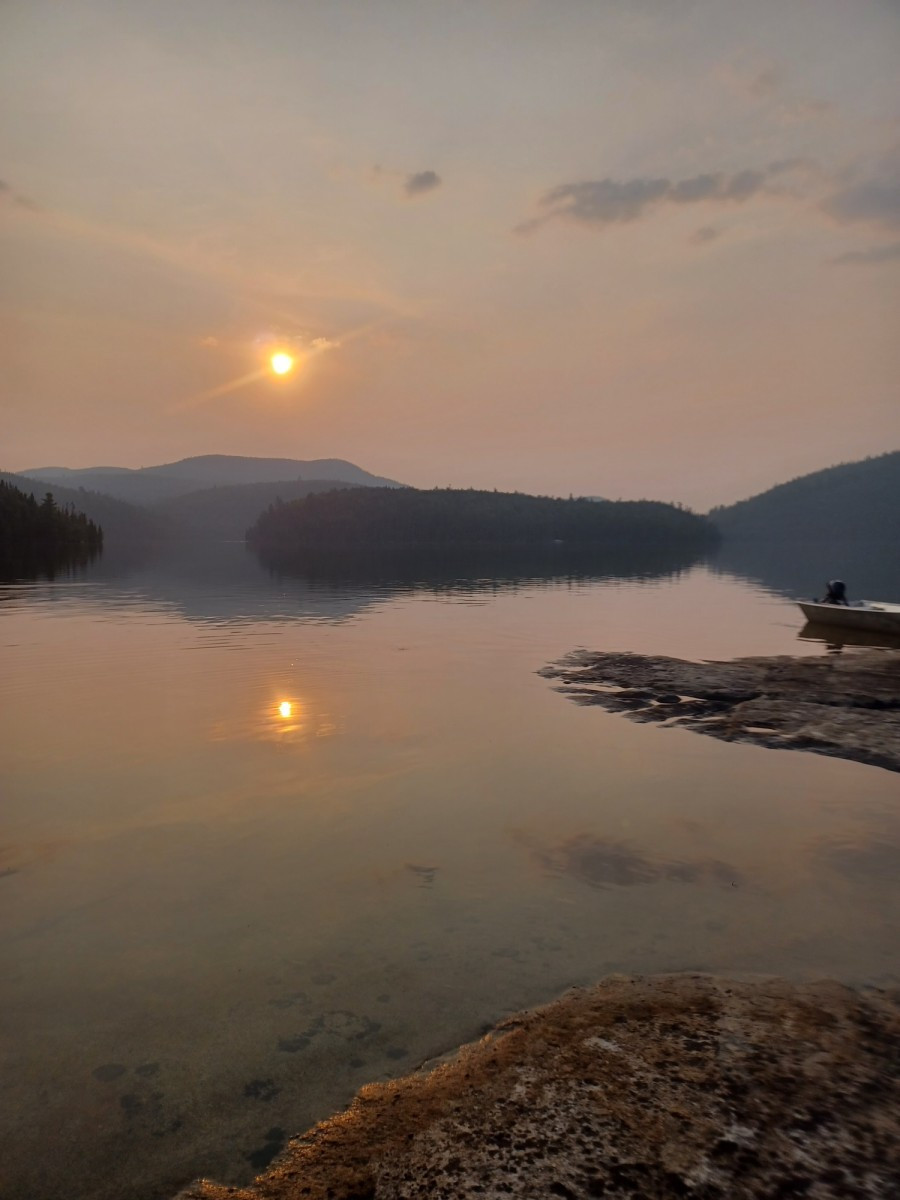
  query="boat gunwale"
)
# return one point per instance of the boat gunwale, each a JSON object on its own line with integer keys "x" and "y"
{"x": 876, "y": 616}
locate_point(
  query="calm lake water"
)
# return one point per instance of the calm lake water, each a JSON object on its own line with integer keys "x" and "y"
{"x": 267, "y": 839}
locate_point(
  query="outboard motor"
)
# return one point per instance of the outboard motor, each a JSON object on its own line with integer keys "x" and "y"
{"x": 837, "y": 592}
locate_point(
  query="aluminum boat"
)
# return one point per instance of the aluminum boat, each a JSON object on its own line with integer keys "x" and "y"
{"x": 876, "y": 616}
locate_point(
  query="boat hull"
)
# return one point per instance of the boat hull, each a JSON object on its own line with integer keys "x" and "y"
{"x": 876, "y": 618}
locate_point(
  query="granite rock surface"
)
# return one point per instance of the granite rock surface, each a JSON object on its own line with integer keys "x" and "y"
{"x": 650, "y": 1087}
{"x": 845, "y": 705}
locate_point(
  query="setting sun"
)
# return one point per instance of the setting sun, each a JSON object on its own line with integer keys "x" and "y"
{"x": 284, "y": 708}
{"x": 281, "y": 362}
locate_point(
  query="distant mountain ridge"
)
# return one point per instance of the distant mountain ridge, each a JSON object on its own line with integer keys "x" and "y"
{"x": 147, "y": 485}
{"x": 852, "y": 501}
{"x": 210, "y": 496}
{"x": 219, "y": 496}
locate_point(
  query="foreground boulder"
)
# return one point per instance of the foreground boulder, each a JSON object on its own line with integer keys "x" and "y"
{"x": 652, "y": 1087}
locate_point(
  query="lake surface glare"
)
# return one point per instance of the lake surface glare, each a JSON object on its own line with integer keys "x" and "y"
{"x": 268, "y": 839}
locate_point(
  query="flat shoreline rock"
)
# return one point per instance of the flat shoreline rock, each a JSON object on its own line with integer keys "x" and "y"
{"x": 846, "y": 705}
{"x": 651, "y": 1087}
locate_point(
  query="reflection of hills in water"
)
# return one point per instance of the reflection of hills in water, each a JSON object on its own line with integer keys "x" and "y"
{"x": 218, "y": 582}
{"x": 23, "y": 565}
{"x": 224, "y": 582}
{"x": 799, "y": 569}
{"x": 478, "y": 567}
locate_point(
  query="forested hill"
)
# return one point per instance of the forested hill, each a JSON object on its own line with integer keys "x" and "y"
{"x": 123, "y": 524}
{"x": 391, "y": 518}
{"x": 40, "y": 535}
{"x": 856, "y": 501}
{"x": 225, "y": 512}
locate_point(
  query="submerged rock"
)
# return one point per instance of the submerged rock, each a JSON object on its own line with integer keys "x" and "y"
{"x": 845, "y": 705}
{"x": 651, "y": 1087}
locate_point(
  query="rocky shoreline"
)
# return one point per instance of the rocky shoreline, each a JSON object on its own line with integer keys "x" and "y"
{"x": 846, "y": 705}
{"x": 652, "y": 1087}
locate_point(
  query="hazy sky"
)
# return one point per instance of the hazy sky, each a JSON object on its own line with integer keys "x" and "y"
{"x": 611, "y": 247}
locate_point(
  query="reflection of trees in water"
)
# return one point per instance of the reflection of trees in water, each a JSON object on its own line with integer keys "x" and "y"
{"x": 24, "y": 565}
{"x": 225, "y": 582}
{"x": 217, "y": 582}
{"x": 220, "y": 581}
{"x": 871, "y": 569}
{"x": 477, "y": 567}
{"x": 40, "y": 539}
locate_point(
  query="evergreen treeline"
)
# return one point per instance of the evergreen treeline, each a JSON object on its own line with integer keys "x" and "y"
{"x": 853, "y": 501}
{"x": 122, "y": 524}
{"x": 388, "y": 518}
{"x": 36, "y": 536}
{"x": 225, "y": 512}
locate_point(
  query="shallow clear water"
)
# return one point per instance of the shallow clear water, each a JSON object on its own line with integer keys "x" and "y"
{"x": 264, "y": 840}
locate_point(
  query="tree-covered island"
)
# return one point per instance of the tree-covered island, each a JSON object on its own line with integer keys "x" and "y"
{"x": 395, "y": 518}
{"x": 38, "y": 537}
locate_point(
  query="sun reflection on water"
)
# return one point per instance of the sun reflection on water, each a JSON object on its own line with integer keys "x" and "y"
{"x": 286, "y": 721}
{"x": 278, "y": 718}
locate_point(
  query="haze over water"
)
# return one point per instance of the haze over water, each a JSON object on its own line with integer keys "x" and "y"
{"x": 634, "y": 249}
{"x": 267, "y": 839}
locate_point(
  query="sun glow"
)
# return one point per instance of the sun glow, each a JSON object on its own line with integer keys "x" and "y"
{"x": 281, "y": 363}
{"x": 285, "y": 708}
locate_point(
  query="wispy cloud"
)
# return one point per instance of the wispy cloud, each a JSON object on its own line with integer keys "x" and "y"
{"x": 872, "y": 200}
{"x": 267, "y": 290}
{"x": 765, "y": 82}
{"x": 865, "y": 195}
{"x": 421, "y": 182}
{"x": 706, "y": 233}
{"x": 769, "y": 87}
{"x": 604, "y": 202}
{"x": 411, "y": 185}
{"x": 8, "y": 195}
{"x": 870, "y": 258}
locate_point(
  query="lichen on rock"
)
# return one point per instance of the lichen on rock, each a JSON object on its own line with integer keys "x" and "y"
{"x": 652, "y": 1087}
